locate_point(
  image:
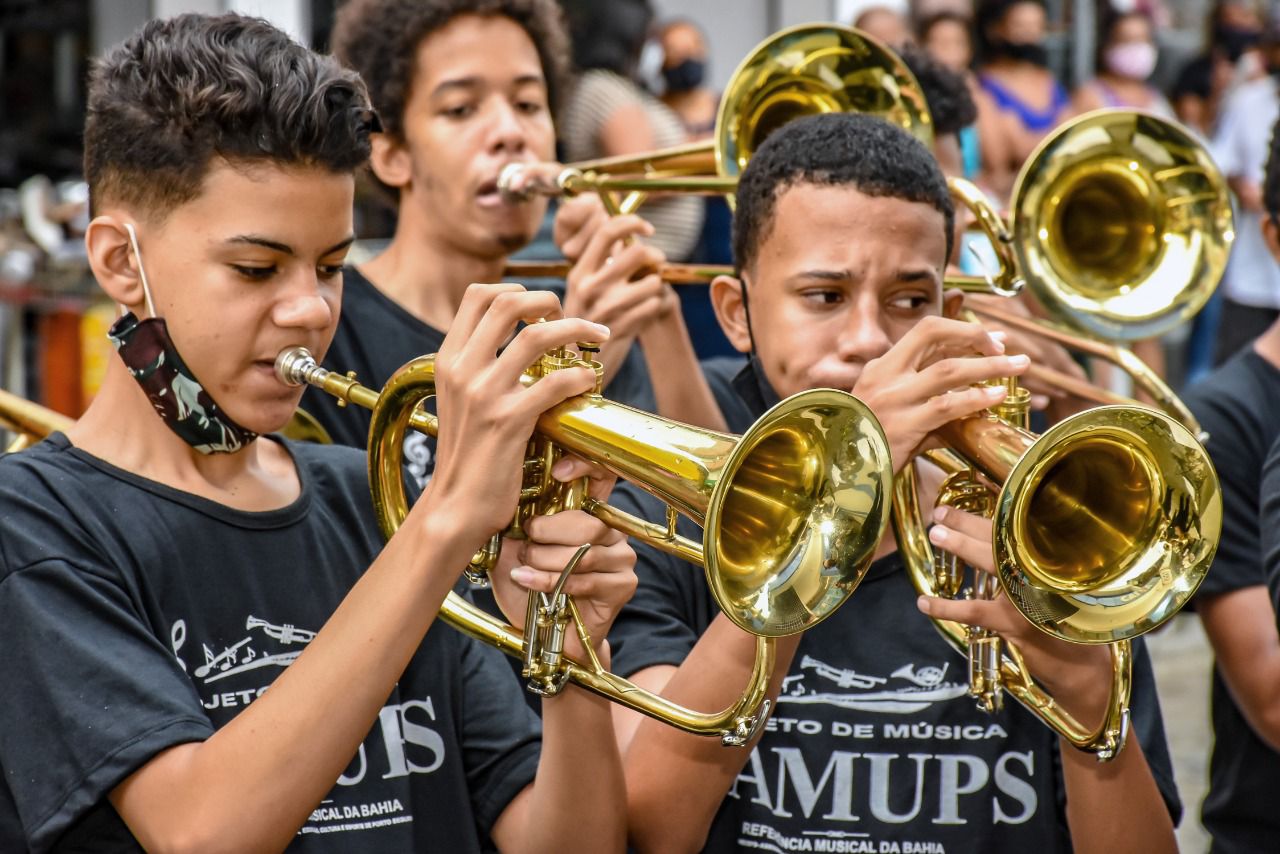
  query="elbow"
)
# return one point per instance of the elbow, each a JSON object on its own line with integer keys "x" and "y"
{"x": 663, "y": 841}
{"x": 185, "y": 840}
{"x": 662, "y": 832}
{"x": 196, "y": 835}
{"x": 1267, "y": 724}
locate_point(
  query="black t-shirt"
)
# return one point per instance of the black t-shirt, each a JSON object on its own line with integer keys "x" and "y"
{"x": 1239, "y": 406}
{"x": 376, "y": 336}
{"x": 1269, "y": 524}
{"x": 137, "y": 617}
{"x": 874, "y": 740}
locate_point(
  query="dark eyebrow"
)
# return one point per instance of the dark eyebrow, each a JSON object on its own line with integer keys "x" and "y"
{"x": 824, "y": 275}
{"x": 476, "y": 83}
{"x": 284, "y": 248}
{"x": 920, "y": 274}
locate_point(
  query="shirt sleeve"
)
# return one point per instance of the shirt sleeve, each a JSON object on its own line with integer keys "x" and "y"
{"x": 91, "y": 694}
{"x": 1147, "y": 724}
{"x": 671, "y": 607}
{"x": 1238, "y": 560}
{"x": 501, "y": 736}
{"x": 1269, "y": 522}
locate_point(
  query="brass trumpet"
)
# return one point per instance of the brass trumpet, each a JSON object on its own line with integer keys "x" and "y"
{"x": 29, "y": 422}
{"x": 1104, "y": 526}
{"x": 792, "y": 513}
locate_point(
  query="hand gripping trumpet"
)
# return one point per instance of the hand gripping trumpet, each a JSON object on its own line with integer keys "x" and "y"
{"x": 792, "y": 512}
{"x": 1104, "y": 526}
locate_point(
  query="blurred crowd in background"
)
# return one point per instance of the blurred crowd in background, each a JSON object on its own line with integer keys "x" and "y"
{"x": 644, "y": 81}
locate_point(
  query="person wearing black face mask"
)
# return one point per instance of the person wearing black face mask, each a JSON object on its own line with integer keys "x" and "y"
{"x": 1026, "y": 99}
{"x": 684, "y": 69}
{"x": 608, "y": 114}
{"x": 1232, "y": 31}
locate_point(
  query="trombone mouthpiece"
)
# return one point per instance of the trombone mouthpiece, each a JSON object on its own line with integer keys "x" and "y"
{"x": 510, "y": 183}
{"x": 293, "y": 364}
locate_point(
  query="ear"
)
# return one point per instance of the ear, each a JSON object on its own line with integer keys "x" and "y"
{"x": 728, "y": 298}
{"x": 389, "y": 159}
{"x": 1271, "y": 235}
{"x": 112, "y": 260}
{"x": 952, "y": 302}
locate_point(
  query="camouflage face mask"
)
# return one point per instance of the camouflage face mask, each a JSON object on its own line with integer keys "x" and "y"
{"x": 178, "y": 397}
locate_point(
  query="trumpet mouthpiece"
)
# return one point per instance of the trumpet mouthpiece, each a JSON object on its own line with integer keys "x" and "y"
{"x": 293, "y": 364}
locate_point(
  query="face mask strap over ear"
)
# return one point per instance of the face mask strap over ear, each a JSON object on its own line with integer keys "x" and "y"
{"x": 142, "y": 273}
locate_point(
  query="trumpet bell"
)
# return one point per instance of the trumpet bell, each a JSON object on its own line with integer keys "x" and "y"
{"x": 791, "y": 511}
{"x": 1107, "y": 524}
{"x": 809, "y": 70}
{"x": 1122, "y": 224}
{"x": 798, "y": 509}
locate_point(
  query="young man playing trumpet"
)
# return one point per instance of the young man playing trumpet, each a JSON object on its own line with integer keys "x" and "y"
{"x": 464, "y": 88}
{"x": 207, "y": 647}
{"x": 843, "y": 230}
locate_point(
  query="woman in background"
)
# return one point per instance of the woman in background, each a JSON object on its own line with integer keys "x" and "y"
{"x": 1025, "y": 100}
{"x": 608, "y": 114}
{"x": 1127, "y": 55}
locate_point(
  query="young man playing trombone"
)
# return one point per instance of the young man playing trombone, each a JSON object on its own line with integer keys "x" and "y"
{"x": 842, "y": 231}
{"x": 464, "y": 88}
{"x": 207, "y": 647}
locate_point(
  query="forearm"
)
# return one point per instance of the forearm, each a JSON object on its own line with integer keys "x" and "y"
{"x": 1241, "y": 628}
{"x": 676, "y": 781}
{"x": 679, "y": 386}
{"x": 253, "y": 783}
{"x": 578, "y": 799}
{"x": 1115, "y": 806}
{"x": 612, "y": 355}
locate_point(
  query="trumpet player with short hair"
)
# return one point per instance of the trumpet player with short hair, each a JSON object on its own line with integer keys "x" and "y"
{"x": 207, "y": 646}
{"x": 843, "y": 230}
{"x": 465, "y": 88}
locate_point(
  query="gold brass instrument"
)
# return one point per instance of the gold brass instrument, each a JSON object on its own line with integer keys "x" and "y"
{"x": 1104, "y": 526}
{"x": 804, "y": 70}
{"x": 792, "y": 513}
{"x": 1121, "y": 227}
{"x": 1005, "y": 282}
{"x": 672, "y": 274}
{"x": 29, "y": 422}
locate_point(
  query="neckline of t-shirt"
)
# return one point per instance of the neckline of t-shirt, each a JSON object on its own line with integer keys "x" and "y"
{"x": 256, "y": 519}
{"x": 1259, "y": 362}
{"x": 416, "y": 324}
{"x": 883, "y": 567}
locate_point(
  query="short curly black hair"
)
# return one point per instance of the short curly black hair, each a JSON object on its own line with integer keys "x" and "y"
{"x": 380, "y": 38}
{"x": 856, "y": 150}
{"x": 1271, "y": 181}
{"x": 183, "y": 91}
{"x": 950, "y": 102}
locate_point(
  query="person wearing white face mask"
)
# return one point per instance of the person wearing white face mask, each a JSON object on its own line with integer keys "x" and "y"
{"x": 1127, "y": 56}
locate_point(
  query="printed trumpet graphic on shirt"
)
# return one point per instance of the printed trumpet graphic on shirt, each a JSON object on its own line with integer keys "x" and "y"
{"x": 267, "y": 645}
{"x": 906, "y": 690}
